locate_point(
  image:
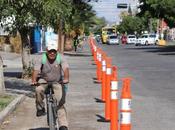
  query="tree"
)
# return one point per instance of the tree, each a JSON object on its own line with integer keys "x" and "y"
{"x": 73, "y": 15}
{"x": 21, "y": 14}
{"x": 82, "y": 15}
{"x": 57, "y": 14}
{"x": 100, "y": 22}
{"x": 158, "y": 9}
{"x": 62, "y": 15}
{"x": 131, "y": 25}
{"x": 79, "y": 21}
{"x": 129, "y": 10}
{"x": 36, "y": 12}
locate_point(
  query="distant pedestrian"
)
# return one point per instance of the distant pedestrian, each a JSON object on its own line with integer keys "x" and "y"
{"x": 76, "y": 42}
{"x": 124, "y": 39}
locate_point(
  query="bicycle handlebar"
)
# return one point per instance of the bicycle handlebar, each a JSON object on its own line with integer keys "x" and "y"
{"x": 49, "y": 83}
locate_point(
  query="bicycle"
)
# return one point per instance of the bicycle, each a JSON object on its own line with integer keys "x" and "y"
{"x": 52, "y": 116}
{"x": 52, "y": 106}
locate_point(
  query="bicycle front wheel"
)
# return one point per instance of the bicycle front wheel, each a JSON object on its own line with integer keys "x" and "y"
{"x": 51, "y": 118}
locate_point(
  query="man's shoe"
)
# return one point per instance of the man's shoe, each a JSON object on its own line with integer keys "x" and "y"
{"x": 63, "y": 128}
{"x": 41, "y": 112}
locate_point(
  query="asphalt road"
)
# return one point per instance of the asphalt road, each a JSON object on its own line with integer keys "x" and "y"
{"x": 152, "y": 69}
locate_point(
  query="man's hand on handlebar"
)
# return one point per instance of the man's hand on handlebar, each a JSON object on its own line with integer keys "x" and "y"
{"x": 65, "y": 81}
{"x": 35, "y": 84}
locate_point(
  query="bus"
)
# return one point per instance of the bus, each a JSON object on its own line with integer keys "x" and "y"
{"x": 106, "y": 31}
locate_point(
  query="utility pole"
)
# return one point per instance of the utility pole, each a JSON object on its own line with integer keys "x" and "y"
{"x": 150, "y": 26}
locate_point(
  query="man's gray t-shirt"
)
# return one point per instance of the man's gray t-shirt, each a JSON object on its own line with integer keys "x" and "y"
{"x": 51, "y": 72}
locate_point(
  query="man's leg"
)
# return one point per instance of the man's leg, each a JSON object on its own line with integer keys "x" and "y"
{"x": 39, "y": 92}
{"x": 62, "y": 114}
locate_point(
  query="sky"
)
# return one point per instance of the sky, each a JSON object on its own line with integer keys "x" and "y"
{"x": 108, "y": 9}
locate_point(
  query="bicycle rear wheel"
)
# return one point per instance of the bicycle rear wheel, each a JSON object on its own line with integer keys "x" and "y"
{"x": 51, "y": 118}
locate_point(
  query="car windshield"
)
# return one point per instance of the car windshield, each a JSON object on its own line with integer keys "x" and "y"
{"x": 113, "y": 37}
{"x": 145, "y": 36}
{"x": 131, "y": 36}
{"x": 152, "y": 36}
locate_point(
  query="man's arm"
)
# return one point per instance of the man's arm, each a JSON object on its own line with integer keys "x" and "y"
{"x": 34, "y": 76}
{"x": 66, "y": 75}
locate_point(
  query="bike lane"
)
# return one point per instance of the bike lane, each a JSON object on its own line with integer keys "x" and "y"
{"x": 84, "y": 110}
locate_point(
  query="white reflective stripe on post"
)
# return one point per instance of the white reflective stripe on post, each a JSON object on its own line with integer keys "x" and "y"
{"x": 103, "y": 68}
{"x": 108, "y": 71}
{"x": 103, "y": 62}
{"x": 126, "y": 104}
{"x": 100, "y": 57}
{"x": 114, "y": 85}
{"x": 97, "y": 56}
{"x": 114, "y": 94}
{"x": 125, "y": 118}
{"x": 95, "y": 48}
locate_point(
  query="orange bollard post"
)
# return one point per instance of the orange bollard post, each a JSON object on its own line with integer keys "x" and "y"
{"x": 95, "y": 54}
{"x": 97, "y": 65}
{"x": 125, "y": 112}
{"x": 103, "y": 85}
{"x": 98, "y": 69}
{"x": 114, "y": 100}
{"x": 100, "y": 66}
{"x": 107, "y": 90}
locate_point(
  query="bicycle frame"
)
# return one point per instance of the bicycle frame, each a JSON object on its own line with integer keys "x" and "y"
{"x": 51, "y": 107}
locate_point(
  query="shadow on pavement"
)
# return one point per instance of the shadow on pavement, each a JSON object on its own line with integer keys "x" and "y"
{"x": 145, "y": 47}
{"x": 96, "y": 82}
{"x": 168, "y": 54}
{"x": 40, "y": 129}
{"x": 98, "y": 100}
{"x": 94, "y": 78}
{"x": 19, "y": 86}
{"x": 162, "y": 50}
{"x": 168, "y": 50}
{"x": 101, "y": 119}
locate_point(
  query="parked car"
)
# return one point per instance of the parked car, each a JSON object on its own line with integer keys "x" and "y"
{"x": 112, "y": 39}
{"x": 147, "y": 39}
{"x": 131, "y": 39}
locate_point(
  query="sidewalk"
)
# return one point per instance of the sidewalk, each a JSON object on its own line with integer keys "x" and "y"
{"x": 171, "y": 43}
{"x": 167, "y": 43}
{"x": 84, "y": 109}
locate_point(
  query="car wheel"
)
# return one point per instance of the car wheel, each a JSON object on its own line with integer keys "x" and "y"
{"x": 146, "y": 43}
{"x": 156, "y": 43}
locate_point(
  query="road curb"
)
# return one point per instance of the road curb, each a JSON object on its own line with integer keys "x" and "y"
{"x": 11, "y": 107}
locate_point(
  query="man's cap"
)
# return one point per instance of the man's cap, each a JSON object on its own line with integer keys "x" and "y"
{"x": 52, "y": 45}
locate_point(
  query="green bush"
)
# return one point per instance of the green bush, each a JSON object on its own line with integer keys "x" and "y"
{"x": 4, "y": 101}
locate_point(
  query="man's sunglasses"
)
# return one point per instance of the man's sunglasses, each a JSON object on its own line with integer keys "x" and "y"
{"x": 52, "y": 51}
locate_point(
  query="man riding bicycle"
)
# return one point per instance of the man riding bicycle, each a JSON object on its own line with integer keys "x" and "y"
{"x": 50, "y": 67}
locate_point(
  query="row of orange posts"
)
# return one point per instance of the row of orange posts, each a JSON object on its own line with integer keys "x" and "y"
{"x": 107, "y": 75}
